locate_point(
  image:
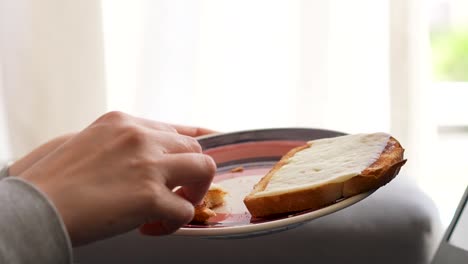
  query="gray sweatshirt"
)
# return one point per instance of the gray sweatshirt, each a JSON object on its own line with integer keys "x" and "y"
{"x": 31, "y": 230}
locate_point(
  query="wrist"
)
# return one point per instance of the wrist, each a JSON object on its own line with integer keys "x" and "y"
{"x": 5, "y": 170}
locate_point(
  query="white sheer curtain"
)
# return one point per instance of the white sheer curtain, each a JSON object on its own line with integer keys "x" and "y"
{"x": 234, "y": 65}
{"x": 53, "y": 68}
{"x": 227, "y": 65}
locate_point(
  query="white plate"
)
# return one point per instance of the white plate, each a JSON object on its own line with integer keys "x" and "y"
{"x": 255, "y": 152}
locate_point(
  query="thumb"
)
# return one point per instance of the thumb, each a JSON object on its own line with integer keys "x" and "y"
{"x": 170, "y": 213}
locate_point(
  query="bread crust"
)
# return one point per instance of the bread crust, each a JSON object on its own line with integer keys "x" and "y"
{"x": 202, "y": 213}
{"x": 379, "y": 173}
{"x": 212, "y": 199}
{"x": 382, "y": 171}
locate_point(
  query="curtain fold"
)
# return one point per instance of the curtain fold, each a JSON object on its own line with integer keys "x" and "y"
{"x": 53, "y": 68}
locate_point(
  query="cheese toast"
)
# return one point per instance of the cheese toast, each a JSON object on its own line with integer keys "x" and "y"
{"x": 323, "y": 171}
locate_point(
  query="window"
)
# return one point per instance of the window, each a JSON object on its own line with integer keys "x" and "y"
{"x": 449, "y": 45}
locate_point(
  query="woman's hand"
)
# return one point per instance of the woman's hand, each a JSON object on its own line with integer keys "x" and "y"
{"x": 43, "y": 150}
{"x": 119, "y": 173}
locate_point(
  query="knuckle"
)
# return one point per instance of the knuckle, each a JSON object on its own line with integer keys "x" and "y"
{"x": 151, "y": 194}
{"x": 164, "y": 127}
{"x": 171, "y": 129}
{"x": 191, "y": 144}
{"x": 141, "y": 193}
{"x": 114, "y": 116}
{"x": 167, "y": 127}
{"x": 142, "y": 165}
{"x": 133, "y": 135}
{"x": 153, "y": 187}
{"x": 150, "y": 172}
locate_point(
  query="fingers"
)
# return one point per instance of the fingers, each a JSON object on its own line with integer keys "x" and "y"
{"x": 116, "y": 116}
{"x": 151, "y": 124}
{"x": 175, "y": 143}
{"x": 170, "y": 213}
{"x": 193, "y": 131}
{"x": 193, "y": 193}
{"x": 194, "y": 172}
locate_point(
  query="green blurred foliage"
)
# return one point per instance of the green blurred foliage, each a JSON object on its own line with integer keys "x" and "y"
{"x": 450, "y": 55}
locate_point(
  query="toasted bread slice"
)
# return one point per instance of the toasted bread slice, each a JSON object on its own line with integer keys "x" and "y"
{"x": 325, "y": 170}
{"x": 213, "y": 198}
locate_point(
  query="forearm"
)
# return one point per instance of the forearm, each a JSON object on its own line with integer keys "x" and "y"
{"x": 30, "y": 227}
{"x": 20, "y": 165}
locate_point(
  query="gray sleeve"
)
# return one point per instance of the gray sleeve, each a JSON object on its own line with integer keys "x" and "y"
{"x": 3, "y": 170}
{"x": 31, "y": 230}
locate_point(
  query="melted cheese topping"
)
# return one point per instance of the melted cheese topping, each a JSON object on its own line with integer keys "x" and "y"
{"x": 327, "y": 160}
